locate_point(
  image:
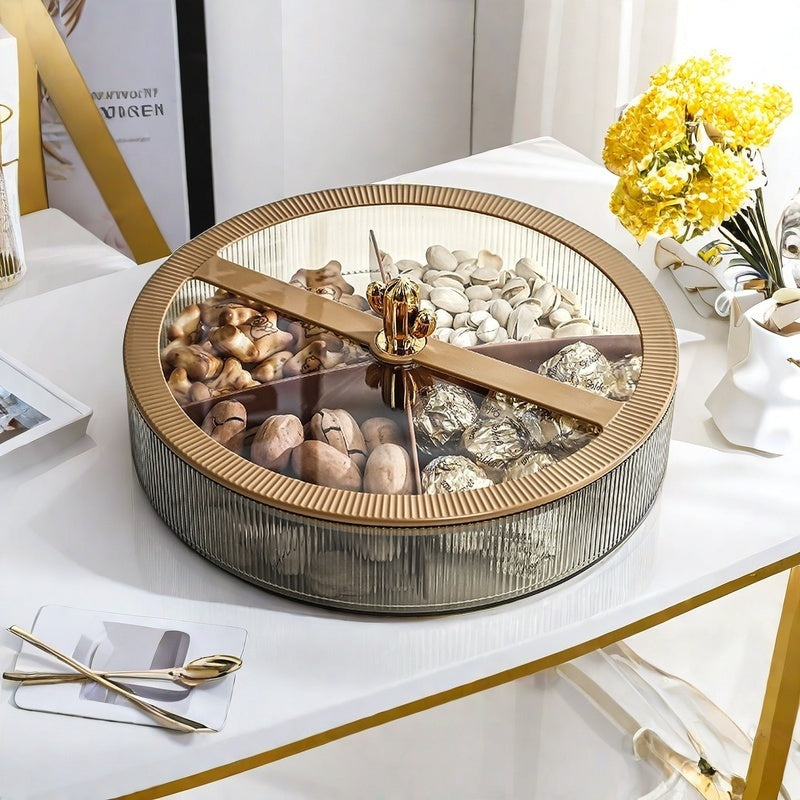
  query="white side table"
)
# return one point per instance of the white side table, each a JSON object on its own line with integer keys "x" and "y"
{"x": 59, "y": 252}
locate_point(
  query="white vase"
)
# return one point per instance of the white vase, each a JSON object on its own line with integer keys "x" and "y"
{"x": 757, "y": 403}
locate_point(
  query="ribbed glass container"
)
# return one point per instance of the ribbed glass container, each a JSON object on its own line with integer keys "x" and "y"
{"x": 409, "y": 553}
{"x": 406, "y": 570}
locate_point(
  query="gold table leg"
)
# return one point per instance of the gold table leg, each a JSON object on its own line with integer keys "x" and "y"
{"x": 779, "y": 711}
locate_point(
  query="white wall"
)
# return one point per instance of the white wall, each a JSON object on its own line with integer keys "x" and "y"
{"x": 762, "y": 39}
{"x": 308, "y": 94}
{"x": 498, "y": 33}
{"x": 581, "y": 59}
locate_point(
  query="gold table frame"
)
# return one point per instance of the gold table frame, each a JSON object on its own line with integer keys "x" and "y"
{"x": 772, "y": 740}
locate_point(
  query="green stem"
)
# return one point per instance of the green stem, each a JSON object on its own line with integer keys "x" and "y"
{"x": 774, "y": 258}
{"x": 747, "y": 232}
{"x": 746, "y": 254}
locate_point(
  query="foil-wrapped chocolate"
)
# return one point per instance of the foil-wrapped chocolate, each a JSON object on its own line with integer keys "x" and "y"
{"x": 494, "y": 442}
{"x": 625, "y": 375}
{"x": 453, "y": 474}
{"x": 544, "y": 430}
{"x": 558, "y": 433}
{"x": 580, "y": 365}
{"x": 442, "y": 412}
{"x": 528, "y": 464}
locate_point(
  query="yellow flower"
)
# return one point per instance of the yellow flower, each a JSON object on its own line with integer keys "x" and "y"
{"x": 720, "y": 190}
{"x": 681, "y": 150}
{"x": 655, "y": 122}
{"x": 749, "y": 117}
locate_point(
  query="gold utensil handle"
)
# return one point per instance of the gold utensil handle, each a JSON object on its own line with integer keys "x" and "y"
{"x": 69, "y": 677}
{"x": 167, "y": 718}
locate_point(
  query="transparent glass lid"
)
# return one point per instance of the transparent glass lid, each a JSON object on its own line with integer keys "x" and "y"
{"x": 299, "y": 399}
{"x": 285, "y": 372}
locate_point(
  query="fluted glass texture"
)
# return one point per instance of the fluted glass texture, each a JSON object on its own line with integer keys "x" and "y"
{"x": 403, "y": 570}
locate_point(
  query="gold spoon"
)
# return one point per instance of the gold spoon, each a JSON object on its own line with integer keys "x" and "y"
{"x": 207, "y": 668}
{"x": 165, "y": 717}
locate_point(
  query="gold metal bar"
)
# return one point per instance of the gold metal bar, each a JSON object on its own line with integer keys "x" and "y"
{"x": 291, "y": 300}
{"x": 781, "y": 700}
{"x": 455, "y": 362}
{"x": 32, "y": 183}
{"x": 94, "y": 142}
{"x": 498, "y": 376}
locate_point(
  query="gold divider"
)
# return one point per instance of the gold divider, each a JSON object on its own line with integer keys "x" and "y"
{"x": 441, "y": 357}
{"x": 636, "y": 420}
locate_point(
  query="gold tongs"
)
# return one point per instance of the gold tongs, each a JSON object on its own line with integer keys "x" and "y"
{"x": 166, "y": 718}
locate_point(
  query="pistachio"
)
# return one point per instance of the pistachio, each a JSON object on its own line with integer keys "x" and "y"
{"x": 488, "y": 330}
{"x": 464, "y": 337}
{"x": 529, "y": 269}
{"x": 549, "y": 296}
{"x": 406, "y": 264}
{"x": 485, "y": 276}
{"x": 446, "y": 282}
{"x": 516, "y": 288}
{"x": 450, "y": 300}
{"x": 489, "y": 260}
{"x": 442, "y": 334}
{"x": 444, "y": 319}
{"x": 428, "y": 305}
{"x": 440, "y": 258}
{"x": 500, "y": 309}
{"x": 476, "y": 317}
{"x": 478, "y": 292}
{"x": 461, "y": 320}
{"x": 575, "y": 327}
{"x": 558, "y": 316}
{"x": 478, "y": 305}
{"x": 521, "y": 323}
{"x": 465, "y": 270}
{"x": 542, "y": 332}
{"x": 414, "y": 273}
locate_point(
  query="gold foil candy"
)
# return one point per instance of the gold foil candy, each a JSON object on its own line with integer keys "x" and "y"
{"x": 528, "y": 464}
{"x": 580, "y": 365}
{"x": 453, "y": 474}
{"x": 625, "y": 373}
{"x": 442, "y": 412}
{"x": 495, "y": 443}
{"x": 544, "y": 430}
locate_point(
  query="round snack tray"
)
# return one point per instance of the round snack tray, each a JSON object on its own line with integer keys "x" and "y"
{"x": 414, "y": 552}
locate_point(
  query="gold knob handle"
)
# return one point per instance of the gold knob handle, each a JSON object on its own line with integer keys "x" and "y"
{"x": 406, "y": 327}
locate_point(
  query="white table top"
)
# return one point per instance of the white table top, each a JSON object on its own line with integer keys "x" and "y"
{"x": 77, "y": 530}
{"x": 59, "y": 252}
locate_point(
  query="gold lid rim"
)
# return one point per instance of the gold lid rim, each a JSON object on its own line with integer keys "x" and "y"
{"x": 626, "y": 432}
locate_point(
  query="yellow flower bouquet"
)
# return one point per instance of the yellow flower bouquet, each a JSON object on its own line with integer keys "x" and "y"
{"x": 687, "y": 153}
